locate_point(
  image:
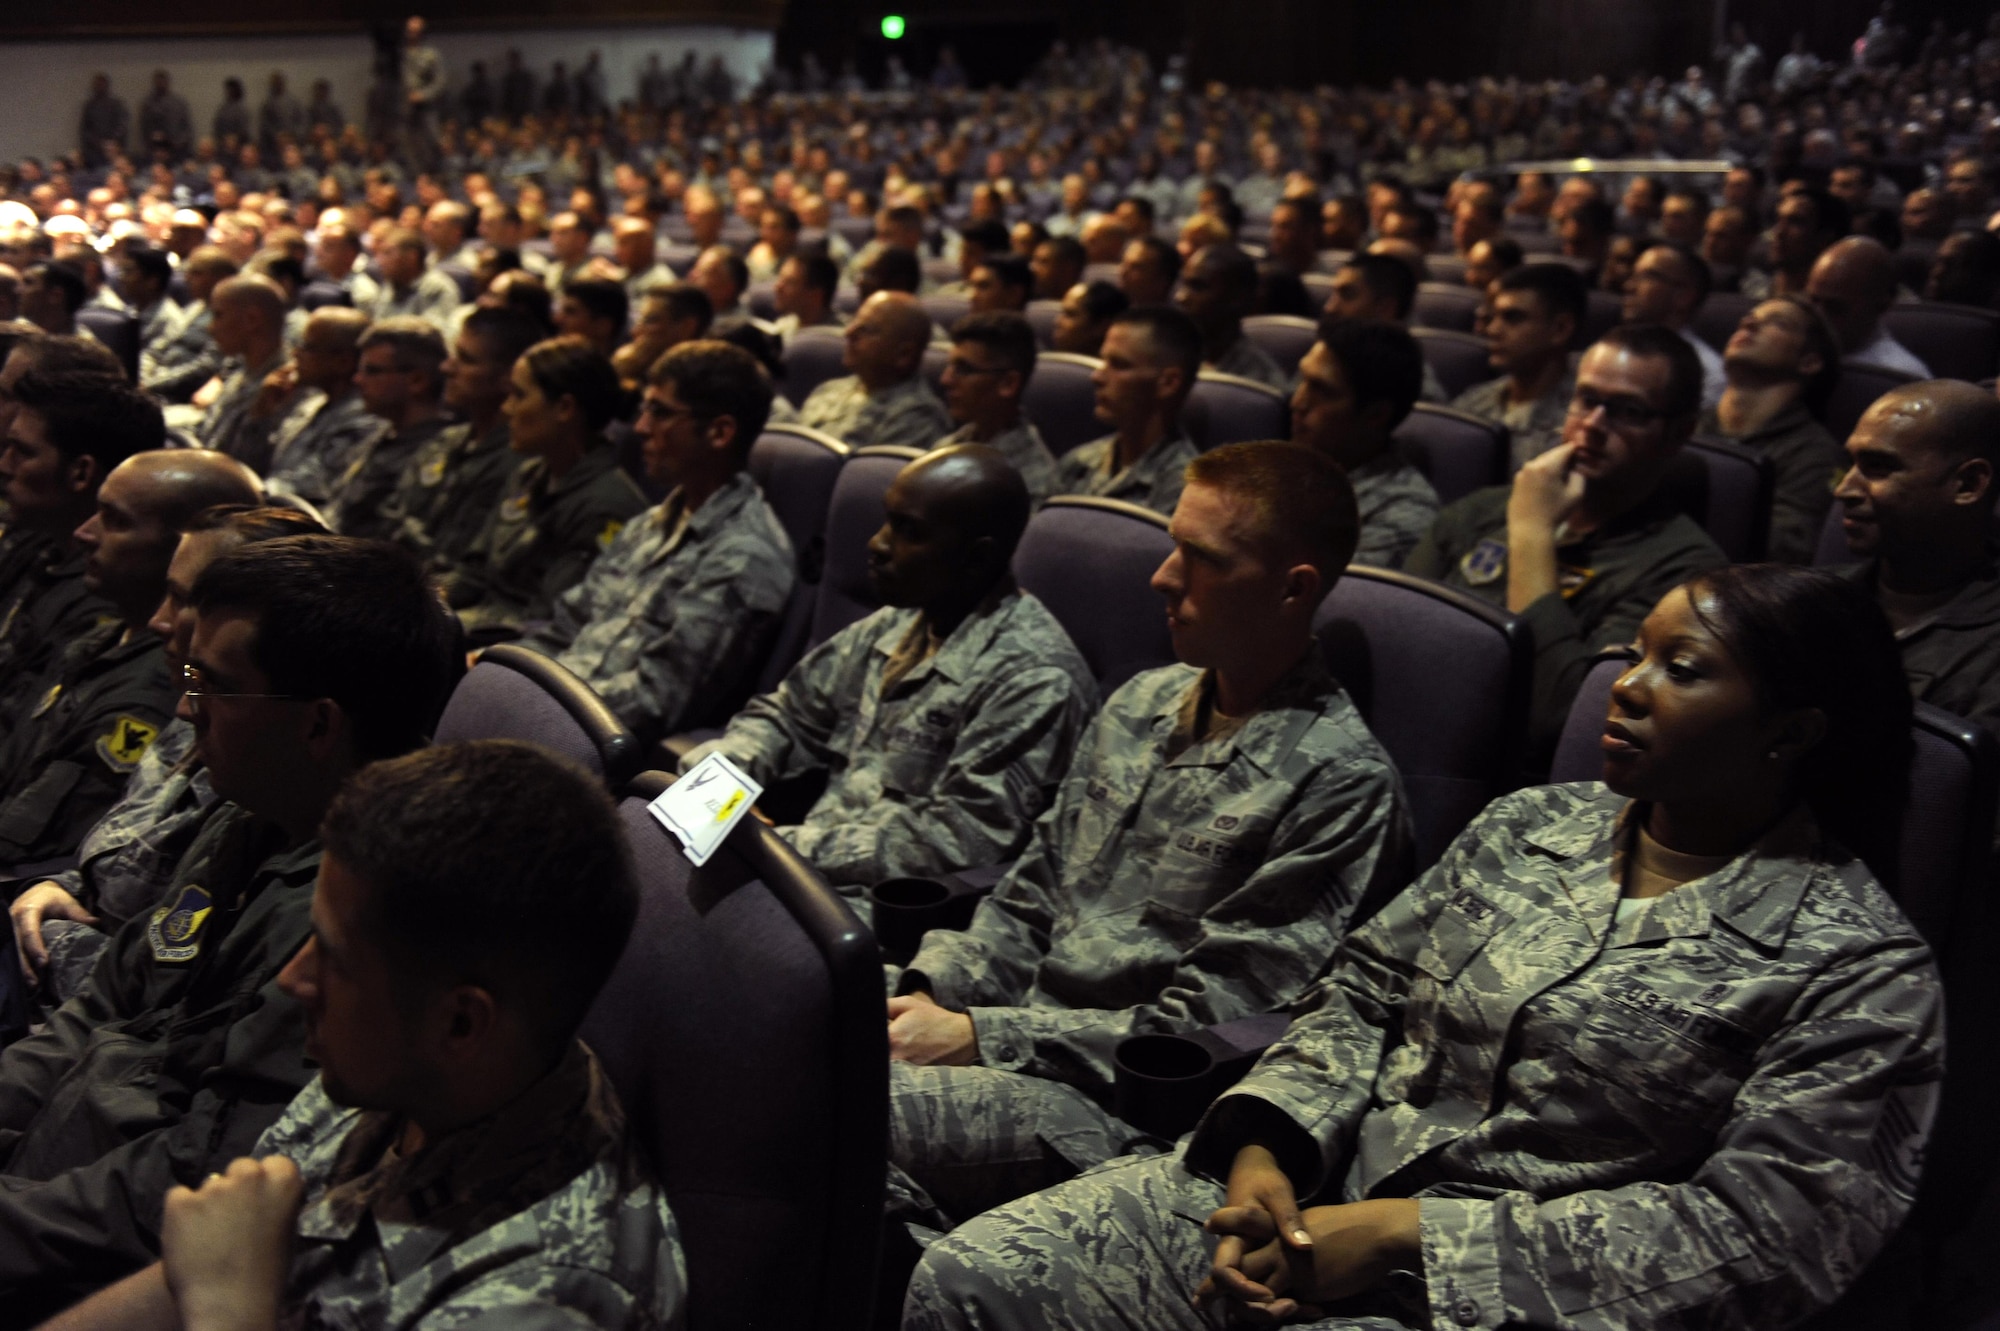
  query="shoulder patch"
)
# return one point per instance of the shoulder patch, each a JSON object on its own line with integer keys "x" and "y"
{"x": 126, "y": 742}
{"x": 174, "y": 932}
{"x": 609, "y": 534}
{"x": 431, "y": 474}
{"x": 1484, "y": 563}
{"x": 1573, "y": 578}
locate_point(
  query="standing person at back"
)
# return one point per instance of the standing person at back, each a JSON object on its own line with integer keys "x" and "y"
{"x": 885, "y": 400}
{"x": 1152, "y": 358}
{"x": 566, "y": 502}
{"x": 1585, "y": 541}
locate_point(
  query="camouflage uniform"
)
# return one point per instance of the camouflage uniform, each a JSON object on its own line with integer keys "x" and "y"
{"x": 673, "y": 621}
{"x": 1022, "y": 445}
{"x": 1608, "y": 582}
{"x": 1154, "y": 481}
{"x": 176, "y": 1055}
{"x": 1534, "y": 427}
{"x": 318, "y": 440}
{"x": 945, "y": 768}
{"x": 448, "y": 488}
{"x": 1397, "y": 507}
{"x": 182, "y": 358}
{"x": 127, "y": 860}
{"x": 1612, "y": 1117}
{"x": 228, "y": 427}
{"x": 1178, "y": 882}
{"x": 359, "y": 504}
{"x": 1246, "y": 360}
{"x": 541, "y": 539}
{"x": 548, "y": 1215}
{"x": 908, "y": 413}
{"x": 69, "y": 758}
{"x": 1808, "y": 461}
{"x": 431, "y": 298}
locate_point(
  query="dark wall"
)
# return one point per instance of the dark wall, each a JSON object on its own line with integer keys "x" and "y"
{"x": 192, "y": 17}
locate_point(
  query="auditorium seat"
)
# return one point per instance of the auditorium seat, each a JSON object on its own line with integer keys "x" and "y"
{"x": 1832, "y": 551}
{"x": 1285, "y": 338}
{"x": 1442, "y": 679}
{"x": 464, "y": 279}
{"x": 812, "y": 357}
{"x": 1329, "y": 262}
{"x": 846, "y": 300}
{"x": 1459, "y": 360}
{"x": 1455, "y": 450}
{"x": 1715, "y": 322}
{"x": 1602, "y": 312}
{"x": 1445, "y": 306}
{"x": 1101, "y": 272}
{"x": 856, "y": 231}
{"x": 1955, "y": 341}
{"x": 946, "y": 310}
{"x": 513, "y": 693}
{"x": 762, "y": 300}
{"x": 940, "y": 272}
{"x": 680, "y": 257}
{"x": 1228, "y": 409}
{"x": 1091, "y": 562}
{"x": 1727, "y": 490}
{"x": 320, "y": 294}
{"x": 853, "y": 516}
{"x": 797, "y": 468}
{"x": 1041, "y": 316}
{"x": 1060, "y": 401}
{"x": 936, "y": 356}
{"x": 1319, "y": 286}
{"x": 1448, "y": 269}
{"x": 1857, "y": 390}
{"x": 117, "y": 330}
{"x": 743, "y": 1030}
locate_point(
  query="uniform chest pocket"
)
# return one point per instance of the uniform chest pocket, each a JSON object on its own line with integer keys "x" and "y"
{"x": 917, "y": 746}
{"x": 1465, "y": 925}
{"x": 1676, "y": 1065}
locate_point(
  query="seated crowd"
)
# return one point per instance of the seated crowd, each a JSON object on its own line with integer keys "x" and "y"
{"x": 290, "y": 1000}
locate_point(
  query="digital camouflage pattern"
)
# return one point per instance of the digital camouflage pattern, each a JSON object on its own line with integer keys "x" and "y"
{"x": 673, "y": 621}
{"x": 183, "y": 357}
{"x": 1246, "y": 360}
{"x": 318, "y": 440}
{"x": 1533, "y": 432}
{"x": 1177, "y": 881}
{"x": 127, "y": 860}
{"x": 1397, "y": 507}
{"x": 228, "y": 427}
{"x": 68, "y": 759}
{"x": 949, "y": 766}
{"x": 542, "y": 1211}
{"x": 448, "y": 489}
{"x": 1155, "y": 481}
{"x": 1022, "y": 446}
{"x": 908, "y": 413}
{"x": 541, "y": 539}
{"x": 1608, "y": 581}
{"x": 1707, "y": 1111}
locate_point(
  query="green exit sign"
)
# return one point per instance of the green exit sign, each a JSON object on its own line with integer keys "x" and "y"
{"x": 893, "y": 26}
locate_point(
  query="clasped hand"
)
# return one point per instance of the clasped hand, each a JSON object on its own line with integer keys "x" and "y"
{"x": 1279, "y": 1264}
{"x": 921, "y": 1032}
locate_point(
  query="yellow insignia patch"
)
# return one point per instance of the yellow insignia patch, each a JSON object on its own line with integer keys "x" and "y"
{"x": 126, "y": 742}
{"x": 609, "y": 534}
{"x": 1573, "y": 578}
{"x": 433, "y": 472}
{"x": 48, "y": 699}
{"x": 174, "y": 931}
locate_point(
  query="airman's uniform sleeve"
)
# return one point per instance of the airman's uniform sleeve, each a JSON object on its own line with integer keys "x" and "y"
{"x": 1010, "y": 748}
{"x": 790, "y": 731}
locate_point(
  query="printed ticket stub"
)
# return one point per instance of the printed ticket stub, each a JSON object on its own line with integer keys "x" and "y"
{"x": 705, "y": 805}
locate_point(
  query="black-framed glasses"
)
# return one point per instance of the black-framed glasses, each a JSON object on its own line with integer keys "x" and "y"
{"x": 195, "y": 685}
{"x": 662, "y": 411}
{"x": 1622, "y": 413}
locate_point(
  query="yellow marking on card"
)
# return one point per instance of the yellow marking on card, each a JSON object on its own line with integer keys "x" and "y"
{"x": 728, "y": 806}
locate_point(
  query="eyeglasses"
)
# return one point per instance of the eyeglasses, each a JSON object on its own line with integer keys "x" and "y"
{"x": 1621, "y": 413}
{"x": 195, "y": 685}
{"x": 960, "y": 368}
{"x": 662, "y": 411}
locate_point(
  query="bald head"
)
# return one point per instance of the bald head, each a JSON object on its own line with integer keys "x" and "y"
{"x": 1853, "y": 282}
{"x": 951, "y": 521}
{"x": 144, "y": 505}
{"x": 1406, "y": 252}
{"x": 1949, "y": 418}
{"x": 886, "y": 340}
{"x": 259, "y": 295}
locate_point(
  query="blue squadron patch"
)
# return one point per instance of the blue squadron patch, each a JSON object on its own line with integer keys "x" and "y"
{"x": 1484, "y": 563}
{"x": 174, "y": 932}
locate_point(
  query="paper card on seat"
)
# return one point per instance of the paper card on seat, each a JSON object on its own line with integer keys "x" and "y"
{"x": 705, "y": 805}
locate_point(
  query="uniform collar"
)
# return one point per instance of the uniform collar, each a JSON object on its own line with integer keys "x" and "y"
{"x": 960, "y": 656}
{"x": 1268, "y": 735}
{"x": 1976, "y": 606}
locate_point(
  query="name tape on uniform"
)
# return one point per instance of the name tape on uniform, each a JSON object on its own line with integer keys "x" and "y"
{"x": 703, "y": 807}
